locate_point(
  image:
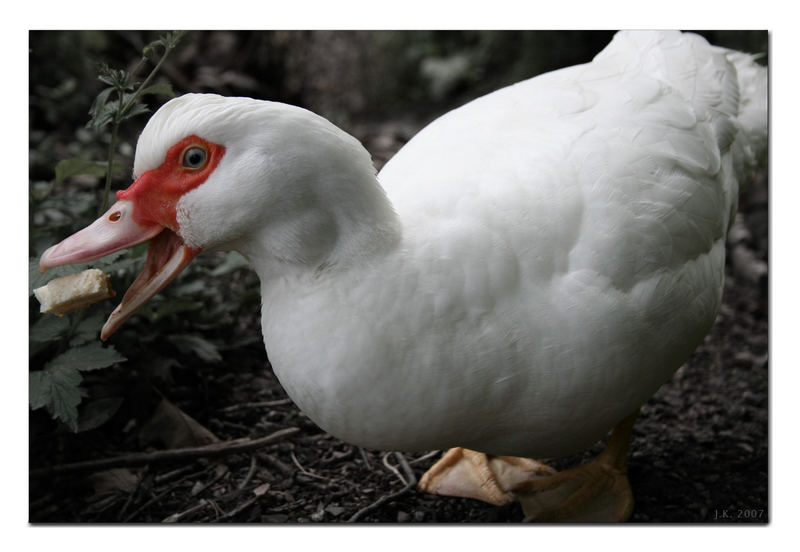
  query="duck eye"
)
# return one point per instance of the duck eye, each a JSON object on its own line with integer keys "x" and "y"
{"x": 194, "y": 157}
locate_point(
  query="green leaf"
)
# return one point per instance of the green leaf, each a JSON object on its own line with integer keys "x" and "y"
{"x": 116, "y": 78}
{"x": 48, "y": 328}
{"x": 87, "y": 330}
{"x": 101, "y": 111}
{"x": 100, "y": 101}
{"x": 106, "y": 79}
{"x": 92, "y": 356}
{"x": 137, "y": 109}
{"x": 57, "y": 389}
{"x": 38, "y": 389}
{"x": 67, "y": 168}
{"x": 203, "y": 348}
{"x": 171, "y": 39}
{"x": 65, "y": 396}
{"x": 161, "y": 88}
{"x": 102, "y": 117}
{"x": 102, "y": 98}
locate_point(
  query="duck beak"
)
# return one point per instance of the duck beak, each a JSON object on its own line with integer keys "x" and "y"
{"x": 113, "y": 231}
{"x": 167, "y": 255}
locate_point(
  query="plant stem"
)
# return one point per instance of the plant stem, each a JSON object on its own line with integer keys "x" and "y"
{"x": 112, "y": 147}
{"x": 120, "y": 115}
{"x": 142, "y": 86}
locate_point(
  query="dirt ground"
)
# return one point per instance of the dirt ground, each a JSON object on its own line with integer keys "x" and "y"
{"x": 699, "y": 452}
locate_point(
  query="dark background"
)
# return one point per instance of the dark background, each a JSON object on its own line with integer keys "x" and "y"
{"x": 700, "y": 448}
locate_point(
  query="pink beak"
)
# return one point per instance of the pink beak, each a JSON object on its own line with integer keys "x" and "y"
{"x": 116, "y": 230}
{"x": 113, "y": 231}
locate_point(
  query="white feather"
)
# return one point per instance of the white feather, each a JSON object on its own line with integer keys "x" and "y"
{"x": 523, "y": 274}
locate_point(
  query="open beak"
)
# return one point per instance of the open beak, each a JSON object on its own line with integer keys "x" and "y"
{"x": 167, "y": 255}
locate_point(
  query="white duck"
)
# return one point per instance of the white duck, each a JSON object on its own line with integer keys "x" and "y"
{"x": 522, "y": 276}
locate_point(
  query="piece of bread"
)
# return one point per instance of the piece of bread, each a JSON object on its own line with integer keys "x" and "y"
{"x": 74, "y": 292}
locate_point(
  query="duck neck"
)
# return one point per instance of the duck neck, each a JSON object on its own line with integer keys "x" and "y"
{"x": 350, "y": 225}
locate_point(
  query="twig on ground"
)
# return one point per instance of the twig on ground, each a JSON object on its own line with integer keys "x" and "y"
{"x": 188, "y": 476}
{"x": 136, "y": 459}
{"x": 163, "y": 493}
{"x": 246, "y": 504}
{"x": 180, "y": 515}
{"x": 392, "y": 469}
{"x": 409, "y": 484}
{"x": 424, "y": 457}
{"x": 250, "y": 473}
{"x": 365, "y": 457}
{"x": 335, "y": 456}
{"x": 221, "y": 470}
{"x": 382, "y": 500}
{"x": 160, "y": 479}
{"x": 273, "y": 462}
{"x": 412, "y": 479}
{"x": 132, "y": 494}
{"x": 304, "y": 471}
{"x": 259, "y": 404}
{"x": 258, "y": 492}
{"x": 103, "y": 505}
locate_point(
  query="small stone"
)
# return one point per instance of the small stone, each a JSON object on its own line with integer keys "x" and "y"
{"x": 197, "y": 488}
{"x": 319, "y": 515}
{"x": 334, "y": 510}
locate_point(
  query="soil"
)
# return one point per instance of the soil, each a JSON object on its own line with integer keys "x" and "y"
{"x": 699, "y": 452}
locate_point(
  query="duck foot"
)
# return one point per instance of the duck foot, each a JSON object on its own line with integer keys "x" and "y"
{"x": 597, "y": 491}
{"x": 467, "y": 473}
{"x": 592, "y": 493}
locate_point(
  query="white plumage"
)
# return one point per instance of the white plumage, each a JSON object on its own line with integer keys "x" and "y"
{"x": 561, "y": 254}
{"x": 521, "y": 276}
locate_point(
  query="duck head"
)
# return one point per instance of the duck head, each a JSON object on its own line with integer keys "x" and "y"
{"x": 285, "y": 187}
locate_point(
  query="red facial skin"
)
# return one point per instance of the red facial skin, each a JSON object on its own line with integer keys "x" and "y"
{"x": 155, "y": 196}
{"x": 156, "y": 192}
{"x": 147, "y": 210}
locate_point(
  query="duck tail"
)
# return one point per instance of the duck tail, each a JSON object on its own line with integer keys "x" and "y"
{"x": 752, "y": 118}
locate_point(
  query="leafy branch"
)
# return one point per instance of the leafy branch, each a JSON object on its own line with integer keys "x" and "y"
{"x": 118, "y": 102}
{"x": 66, "y": 348}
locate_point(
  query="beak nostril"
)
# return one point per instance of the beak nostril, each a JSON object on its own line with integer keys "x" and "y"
{"x": 115, "y": 216}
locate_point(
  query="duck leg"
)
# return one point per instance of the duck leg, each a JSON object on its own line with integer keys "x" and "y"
{"x": 597, "y": 491}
